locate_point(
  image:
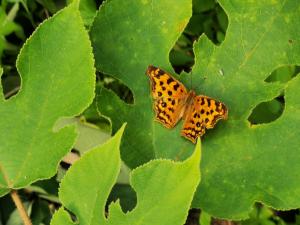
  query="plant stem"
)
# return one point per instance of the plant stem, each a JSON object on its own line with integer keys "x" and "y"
{"x": 12, "y": 92}
{"x": 15, "y": 197}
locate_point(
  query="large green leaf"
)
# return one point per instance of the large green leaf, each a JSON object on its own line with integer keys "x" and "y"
{"x": 127, "y": 37}
{"x": 164, "y": 189}
{"x": 241, "y": 163}
{"x": 87, "y": 10}
{"x": 56, "y": 67}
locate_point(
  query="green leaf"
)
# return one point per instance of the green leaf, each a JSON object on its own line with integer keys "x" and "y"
{"x": 7, "y": 23}
{"x": 87, "y": 10}
{"x": 205, "y": 218}
{"x": 84, "y": 189}
{"x": 57, "y": 81}
{"x": 89, "y": 135}
{"x": 262, "y": 215}
{"x": 202, "y": 6}
{"x": 241, "y": 163}
{"x": 40, "y": 212}
{"x": 8, "y": 26}
{"x": 149, "y": 30}
{"x": 282, "y": 74}
{"x": 14, "y": 217}
{"x": 61, "y": 217}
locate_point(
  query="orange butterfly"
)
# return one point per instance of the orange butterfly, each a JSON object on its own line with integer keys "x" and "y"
{"x": 172, "y": 102}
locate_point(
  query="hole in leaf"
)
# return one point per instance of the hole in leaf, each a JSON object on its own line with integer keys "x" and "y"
{"x": 208, "y": 17}
{"x": 283, "y": 74}
{"x": 267, "y": 112}
{"x": 116, "y": 86}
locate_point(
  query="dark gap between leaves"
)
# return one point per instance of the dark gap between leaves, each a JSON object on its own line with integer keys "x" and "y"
{"x": 208, "y": 17}
{"x": 10, "y": 83}
{"x": 116, "y": 86}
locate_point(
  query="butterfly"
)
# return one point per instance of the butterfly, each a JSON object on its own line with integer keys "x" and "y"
{"x": 172, "y": 102}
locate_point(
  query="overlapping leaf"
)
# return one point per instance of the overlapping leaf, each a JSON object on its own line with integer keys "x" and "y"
{"x": 148, "y": 31}
{"x": 87, "y": 10}
{"x": 241, "y": 163}
{"x": 164, "y": 189}
{"x": 56, "y": 67}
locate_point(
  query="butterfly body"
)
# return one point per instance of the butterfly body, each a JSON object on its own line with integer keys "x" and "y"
{"x": 172, "y": 102}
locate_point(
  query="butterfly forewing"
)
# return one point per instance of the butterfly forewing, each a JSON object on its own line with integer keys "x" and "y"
{"x": 169, "y": 96}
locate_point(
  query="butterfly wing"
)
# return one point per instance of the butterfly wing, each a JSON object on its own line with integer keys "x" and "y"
{"x": 169, "y": 96}
{"x": 202, "y": 113}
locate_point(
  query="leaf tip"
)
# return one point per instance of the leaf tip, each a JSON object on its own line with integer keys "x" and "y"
{"x": 197, "y": 152}
{"x": 120, "y": 132}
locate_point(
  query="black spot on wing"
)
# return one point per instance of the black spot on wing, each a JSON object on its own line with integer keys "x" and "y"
{"x": 202, "y": 101}
{"x": 160, "y": 73}
{"x": 171, "y": 109}
{"x": 170, "y": 80}
{"x": 162, "y": 119}
{"x": 176, "y": 86}
{"x": 208, "y": 102}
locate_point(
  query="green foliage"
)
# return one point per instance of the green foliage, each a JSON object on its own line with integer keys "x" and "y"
{"x": 89, "y": 135}
{"x": 127, "y": 57}
{"x": 164, "y": 188}
{"x": 252, "y": 157}
{"x": 57, "y": 81}
{"x": 237, "y": 166}
{"x": 241, "y": 160}
{"x": 8, "y": 26}
{"x": 205, "y": 218}
{"x": 262, "y": 215}
{"x": 87, "y": 10}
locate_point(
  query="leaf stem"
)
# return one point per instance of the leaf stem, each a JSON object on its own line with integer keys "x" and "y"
{"x": 15, "y": 197}
{"x": 12, "y": 92}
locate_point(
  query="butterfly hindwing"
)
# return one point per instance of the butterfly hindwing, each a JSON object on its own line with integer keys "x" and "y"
{"x": 169, "y": 96}
{"x": 202, "y": 113}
